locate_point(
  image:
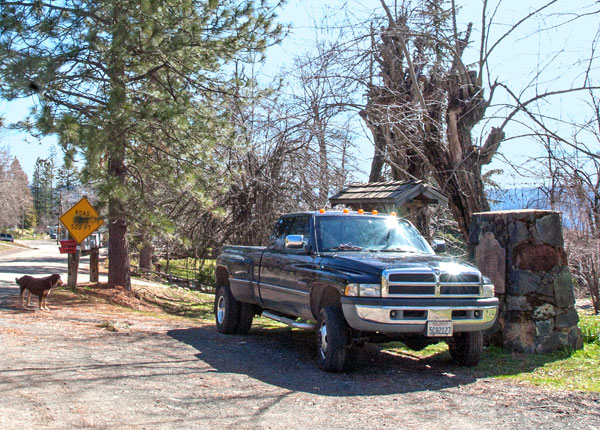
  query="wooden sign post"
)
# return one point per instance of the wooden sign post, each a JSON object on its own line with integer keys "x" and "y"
{"x": 81, "y": 221}
{"x": 94, "y": 272}
{"x": 73, "y": 263}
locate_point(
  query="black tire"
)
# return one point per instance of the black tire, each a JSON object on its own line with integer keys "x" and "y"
{"x": 466, "y": 348}
{"x": 247, "y": 311}
{"x": 227, "y": 311}
{"x": 332, "y": 339}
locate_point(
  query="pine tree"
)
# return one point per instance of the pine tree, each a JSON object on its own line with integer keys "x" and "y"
{"x": 37, "y": 188}
{"x": 135, "y": 87}
{"x": 17, "y": 196}
{"x": 42, "y": 189}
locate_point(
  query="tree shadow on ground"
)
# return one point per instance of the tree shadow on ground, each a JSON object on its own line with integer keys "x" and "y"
{"x": 58, "y": 298}
{"x": 286, "y": 358}
{"x": 34, "y": 266}
{"x": 179, "y": 306}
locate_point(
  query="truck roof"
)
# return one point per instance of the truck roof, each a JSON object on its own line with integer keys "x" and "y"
{"x": 320, "y": 213}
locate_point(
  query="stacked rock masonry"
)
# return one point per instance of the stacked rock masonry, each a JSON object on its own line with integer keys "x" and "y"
{"x": 523, "y": 253}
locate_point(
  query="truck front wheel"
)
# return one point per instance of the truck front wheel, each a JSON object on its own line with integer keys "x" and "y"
{"x": 466, "y": 348}
{"x": 227, "y": 311}
{"x": 332, "y": 339}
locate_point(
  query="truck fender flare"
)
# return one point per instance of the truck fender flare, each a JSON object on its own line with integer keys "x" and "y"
{"x": 222, "y": 277}
{"x": 324, "y": 294}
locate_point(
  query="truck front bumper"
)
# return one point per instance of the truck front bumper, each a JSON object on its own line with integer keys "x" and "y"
{"x": 394, "y": 316}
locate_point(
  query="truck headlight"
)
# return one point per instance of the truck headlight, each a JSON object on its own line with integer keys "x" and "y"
{"x": 363, "y": 290}
{"x": 488, "y": 290}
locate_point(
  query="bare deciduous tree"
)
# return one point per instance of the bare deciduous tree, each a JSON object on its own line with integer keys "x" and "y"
{"x": 429, "y": 86}
{"x": 14, "y": 191}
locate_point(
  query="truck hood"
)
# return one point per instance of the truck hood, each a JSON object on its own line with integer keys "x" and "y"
{"x": 375, "y": 263}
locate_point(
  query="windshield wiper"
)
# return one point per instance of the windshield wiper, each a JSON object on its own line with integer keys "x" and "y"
{"x": 345, "y": 247}
{"x": 400, "y": 249}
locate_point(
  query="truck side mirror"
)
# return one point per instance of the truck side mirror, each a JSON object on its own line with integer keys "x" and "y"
{"x": 439, "y": 246}
{"x": 294, "y": 241}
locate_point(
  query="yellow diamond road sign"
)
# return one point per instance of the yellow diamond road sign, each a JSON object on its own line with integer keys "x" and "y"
{"x": 81, "y": 220}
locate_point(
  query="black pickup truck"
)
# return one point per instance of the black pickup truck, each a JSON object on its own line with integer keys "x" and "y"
{"x": 355, "y": 277}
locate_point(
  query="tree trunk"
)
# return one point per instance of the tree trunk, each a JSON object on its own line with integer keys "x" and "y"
{"x": 466, "y": 196}
{"x": 323, "y": 163}
{"x": 118, "y": 255}
{"x": 380, "y": 144}
{"x": 146, "y": 254}
{"x": 118, "y": 252}
{"x": 168, "y": 258}
{"x": 376, "y": 174}
{"x": 423, "y": 112}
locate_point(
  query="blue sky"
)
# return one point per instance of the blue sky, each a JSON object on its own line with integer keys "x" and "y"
{"x": 515, "y": 61}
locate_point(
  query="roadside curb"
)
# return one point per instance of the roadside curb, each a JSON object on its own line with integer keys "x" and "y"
{"x": 15, "y": 250}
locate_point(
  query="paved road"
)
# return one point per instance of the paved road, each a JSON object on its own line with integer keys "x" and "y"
{"x": 63, "y": 370}
{"x": 41, "y": 259}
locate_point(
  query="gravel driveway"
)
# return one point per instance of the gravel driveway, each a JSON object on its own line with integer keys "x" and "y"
{"x": 63, "y": 369}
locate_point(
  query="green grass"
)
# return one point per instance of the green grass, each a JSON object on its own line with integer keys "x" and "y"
{"x": 590, "y": 328}
{"x": 571, "y": 370}
{"x": 180, "y": 302}
{"x": 566, "y": 369}
{"x": 191, "y": 268}
{"x": 439, "y": 350}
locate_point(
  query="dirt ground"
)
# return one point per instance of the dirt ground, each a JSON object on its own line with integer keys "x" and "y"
{"x": 93, "y": 365}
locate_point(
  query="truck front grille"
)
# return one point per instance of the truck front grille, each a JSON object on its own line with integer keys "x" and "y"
{"x": 428, "y": 290}
{"x": 398, "y": 283}
{"x": 407, "y": 278}
{"x": 457, "y": 290}
{"x": 461, "y": 277}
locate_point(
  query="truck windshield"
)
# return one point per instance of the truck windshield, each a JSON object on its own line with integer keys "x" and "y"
{"x": 364, "y": 233}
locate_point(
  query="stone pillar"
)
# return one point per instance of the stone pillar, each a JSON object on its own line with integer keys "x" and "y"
{"x": 522, "y": 251}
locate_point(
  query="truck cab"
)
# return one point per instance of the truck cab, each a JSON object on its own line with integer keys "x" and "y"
{"x": 355, "y": 277}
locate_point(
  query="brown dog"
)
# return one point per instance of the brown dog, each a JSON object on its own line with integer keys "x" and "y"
{"x": 39, "y": 286}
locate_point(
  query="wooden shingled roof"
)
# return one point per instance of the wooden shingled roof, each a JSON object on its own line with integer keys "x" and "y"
{"x": 392, "y": 193}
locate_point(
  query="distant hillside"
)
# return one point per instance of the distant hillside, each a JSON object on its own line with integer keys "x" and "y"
{"x": 517, "y": 198}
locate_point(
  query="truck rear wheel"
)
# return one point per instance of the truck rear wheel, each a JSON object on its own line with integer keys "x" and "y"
{"x": 466, "y": 348}
{"x": 227, "y": 311}
{"x": 246, "y": 317}
{"x": 332, "y": 339}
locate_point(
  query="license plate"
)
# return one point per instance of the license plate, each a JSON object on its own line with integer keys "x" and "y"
{"x": 439, "y": 328}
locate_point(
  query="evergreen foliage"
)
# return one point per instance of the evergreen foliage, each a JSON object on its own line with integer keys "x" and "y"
{"x": 50, "y": 187}
{"x": 15, "y": 196}
{"x": 137, "y": 88}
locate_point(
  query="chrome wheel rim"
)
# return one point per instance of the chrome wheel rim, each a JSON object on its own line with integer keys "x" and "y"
{"x": 323, "y": 340}
{"x": 221, "y": 310}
